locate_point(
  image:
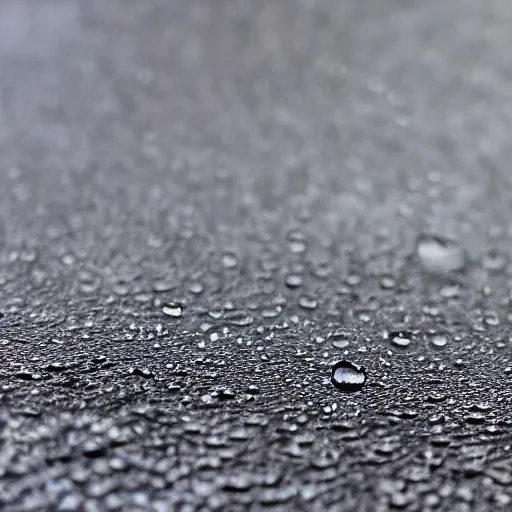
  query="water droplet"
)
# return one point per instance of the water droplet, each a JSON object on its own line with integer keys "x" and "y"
{"x": 439, "y": 340}
{"x": 387, "y": 283}
{"x": 339, "y": 340}
{"x": 196, "y": 288}
{"x": 347, "y": 376}
{"x": 307, "y": 303}
{"x": 240, "y": 319}
{"x": 229, "y": 260}
{"x": 172, "y": 309}
{"x": 293, "y": 281}
{"x": 353, "y": 280}
{"x": 297, "y": 246}
{"x": 162, "y": 285}
{"x": 439, "y": 254}
{"x": 271, "y": 312}
{"x": 121, "y": 288}
{"x": 400, "y": 339}
{"x": 68, "y": 259}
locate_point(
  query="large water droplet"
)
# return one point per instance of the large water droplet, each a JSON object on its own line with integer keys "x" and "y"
{"x": 439, "y": 254}
{"x": 347, "y": 376}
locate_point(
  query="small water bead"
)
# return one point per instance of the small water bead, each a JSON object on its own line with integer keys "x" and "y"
{"x": 229, "y": 260}
{"x": 339, "y": 339}
{"x": 293, "y": 281}
{"x": 340, "y": 343}
{"x": 438, "y": 254}
{"x": 387, "y": 283}
{"x": 196, "y": 288}
{"x": 229, "y": 305}
{"x": 161, "y": 285}
{"x": 348, "y": 377}
{"x": 172, "y": 309}
{"x": 400, "y": 339}
{"x": 121, "y": 288}
{"x": 308, "y": 303}
{"x": 271, "y": 312}
{"x": 297, "y": 247}
{"x": 68, "y": 259}
{"x": 240, "y": 319}
{"x": 439, "y": 340}
{"x": 353, "y": 280}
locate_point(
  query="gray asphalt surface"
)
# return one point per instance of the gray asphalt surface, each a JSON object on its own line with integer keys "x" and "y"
{"x": 204, "y": 205}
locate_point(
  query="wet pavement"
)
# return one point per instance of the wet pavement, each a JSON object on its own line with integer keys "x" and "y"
{"x": 255, "y": 255}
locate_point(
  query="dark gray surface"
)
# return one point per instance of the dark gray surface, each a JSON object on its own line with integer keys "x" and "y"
{"x": 143, "y": 144}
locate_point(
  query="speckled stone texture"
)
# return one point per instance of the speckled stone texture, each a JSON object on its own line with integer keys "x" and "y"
{"x": 206, "y": 204}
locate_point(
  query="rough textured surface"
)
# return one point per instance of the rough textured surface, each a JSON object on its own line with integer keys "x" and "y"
{"x": 206, "y": 204}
